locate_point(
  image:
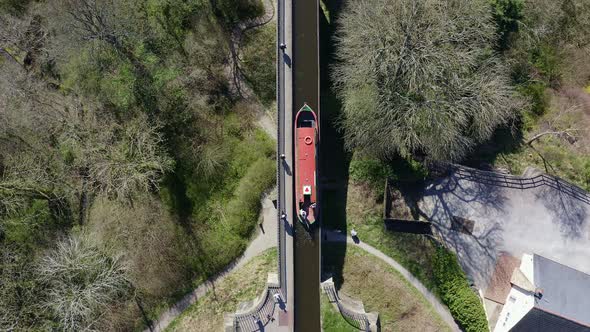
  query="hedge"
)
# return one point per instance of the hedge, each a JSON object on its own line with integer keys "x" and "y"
{"x": 454, "y": 289}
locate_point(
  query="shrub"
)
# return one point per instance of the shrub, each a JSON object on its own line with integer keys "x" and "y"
{"x": 507, "y": 14}
{"x": 463, "y": 302}
{"x": 259, "y": 61}
{"x": 233, "y": 11}
{"x": 243, "y": 209}
{"x": 546, "y": 60}
{"x": 372, "y": 171}
{"x": 535, "y": 91}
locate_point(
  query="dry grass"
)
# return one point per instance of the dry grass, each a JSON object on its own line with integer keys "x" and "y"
{"x": 242, "y": 285}
{"x": 364, "y": 209}
{"x": 564, "y": 155}
{"x": 400, "y": 306}
{"x": 362, "y": 202}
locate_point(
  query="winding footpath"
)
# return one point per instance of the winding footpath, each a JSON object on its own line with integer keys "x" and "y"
{"x": 263, "y": 241}
{"x": 441, "y": 309}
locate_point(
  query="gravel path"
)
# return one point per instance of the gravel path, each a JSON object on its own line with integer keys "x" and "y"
{"x": 440, "y": 308}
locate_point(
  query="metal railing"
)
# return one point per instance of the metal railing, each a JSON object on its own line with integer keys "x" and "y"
{"x": 354, "y": 318}
{"x": 513, "y": 181}
{"x": 256, "y": 318}
{"x": 280, "y": 77}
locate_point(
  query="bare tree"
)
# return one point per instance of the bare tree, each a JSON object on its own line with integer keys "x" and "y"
{"x": 117, "y": 160}
{"x": 420, "y": 77}
{"x": 82, "y": 281}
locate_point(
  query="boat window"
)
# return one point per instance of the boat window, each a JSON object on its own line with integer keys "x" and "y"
{"x": 307, "y": 124}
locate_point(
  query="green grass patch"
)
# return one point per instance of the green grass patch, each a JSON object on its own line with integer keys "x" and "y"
{"x": 332, "y": 320}
{"x": 239, "y": 286}
{"x": 401, "y": 307}
{"x": 419, "y": 254}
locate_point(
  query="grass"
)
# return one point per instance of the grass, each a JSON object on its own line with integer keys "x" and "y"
{"x": 364, "y": 208}
{"x": 401, "y": 307}
{"x": 419, "y": 254}
{"x": 332, "y": 320}
{"x": 239, "y": 286}
{"x": 553, "y": 154}
{"x": 217, "y": 207}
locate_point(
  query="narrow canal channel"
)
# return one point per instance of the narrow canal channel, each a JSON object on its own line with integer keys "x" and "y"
{"x": 306, "y": 90}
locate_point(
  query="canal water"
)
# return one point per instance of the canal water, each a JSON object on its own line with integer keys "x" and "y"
{"x": 306, "y": 90}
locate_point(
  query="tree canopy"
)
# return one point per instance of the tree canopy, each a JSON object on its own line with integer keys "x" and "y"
{"x": 420, "y": 77}
{"x": 121, "y": 120}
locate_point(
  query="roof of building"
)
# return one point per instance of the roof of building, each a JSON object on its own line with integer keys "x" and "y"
{"x": 566, "y": 292}
{"x": 499, "y": 285}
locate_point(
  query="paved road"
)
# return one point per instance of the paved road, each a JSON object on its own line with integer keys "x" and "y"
{"x": 440, "y": 308}
{"x": 541, "y": 220}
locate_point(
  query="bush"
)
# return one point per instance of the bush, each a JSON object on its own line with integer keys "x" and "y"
{"x": 463, "y": 302}
{"x": 259, "y": 61}
{"x": 243, "y": 209}
{"x": 14, "y": 7}
{"x": 546, "y": 60}
{"x": 233, "y": 11}
{"x": 535, "y": 91}
{"x": 372, "y": 171}
{"x": 507, "y": 14}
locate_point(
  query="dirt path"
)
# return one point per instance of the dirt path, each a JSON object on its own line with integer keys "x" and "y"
{"x": 440, "y": 308}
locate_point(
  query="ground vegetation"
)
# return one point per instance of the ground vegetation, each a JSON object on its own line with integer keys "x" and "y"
{"x": 242, "y": 285}
{"x": 382, "y": 289}
{"x": 125, "y": 151}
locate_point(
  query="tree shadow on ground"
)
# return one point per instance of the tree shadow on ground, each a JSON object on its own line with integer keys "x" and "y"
{"x": 505, "y": 139}
{"x": 334, "y": 159}
{"x": 452, "y": 197}
{"x": 569, "y": 213}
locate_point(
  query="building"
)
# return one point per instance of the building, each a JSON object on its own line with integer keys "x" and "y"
{"x": 546, "y": 296}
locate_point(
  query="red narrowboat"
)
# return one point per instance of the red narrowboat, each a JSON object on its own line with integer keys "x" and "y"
{"x": 306, "y": 139}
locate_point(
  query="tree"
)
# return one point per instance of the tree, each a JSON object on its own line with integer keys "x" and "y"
{"x": 507, "y": 14}
{"x": 420, "y": 77}
{"x": 82, "y": 281}
{"x": 19, "y": 291}
{"x": 114, "y": 160}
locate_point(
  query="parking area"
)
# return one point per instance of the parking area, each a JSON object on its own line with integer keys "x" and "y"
{"x": 480, "y": 219}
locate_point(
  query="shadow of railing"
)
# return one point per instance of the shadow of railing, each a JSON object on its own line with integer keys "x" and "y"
{"x": 358, "y": 320}
{"x": 511, "y": 181}
{"x": 258, "y": 316}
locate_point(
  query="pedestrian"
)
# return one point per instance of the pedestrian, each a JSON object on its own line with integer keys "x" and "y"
{"x": 353, "y": 233}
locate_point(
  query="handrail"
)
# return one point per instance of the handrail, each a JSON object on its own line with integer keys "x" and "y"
{"x": 356, "y": 319}
{"x": 513, "y": 181}
{"x": 262, "y": 312}
{"x": 280, "y": 149}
